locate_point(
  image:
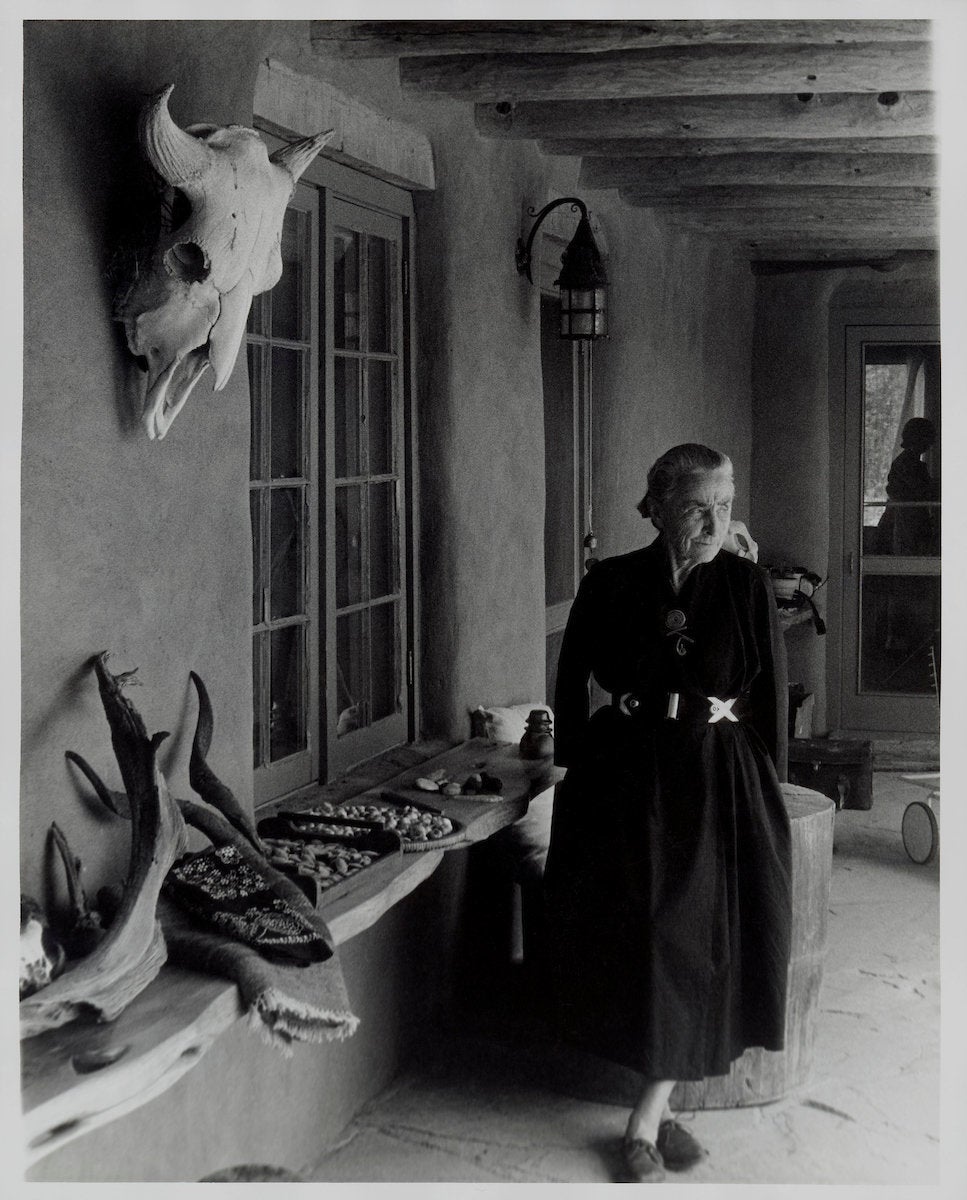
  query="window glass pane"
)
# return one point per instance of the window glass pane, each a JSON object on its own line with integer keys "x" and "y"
{"x": 349, "y": 546}
{"x": 288, "y": 414}
{"x": 258, "y": 314}
{"x": 379, "y": 294}
{"x": 346, "y": 290}
{"x": 382, "y": 540}
{"x": 901, "y": 449}
{"x": 385, "y": 661}
{"x": 351, "y": 656}
{"x": 257, "y": 643}
{"x": 288, "y": 296}
{"x": 287, "y": 550}
{"x": 379, "y": 417}
{"x": 255, "y": 392}
{"x": 287, "y": 717}
{"x": 900, "y": 624}
{"x": 347, "y": 417}
{"x": 254, "y": 498}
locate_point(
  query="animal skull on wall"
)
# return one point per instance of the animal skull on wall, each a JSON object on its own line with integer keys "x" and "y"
{"x": 220, "y": 245}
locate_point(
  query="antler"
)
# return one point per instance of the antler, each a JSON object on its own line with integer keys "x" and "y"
{"x": 204, "y": 780}
{"x": 133, "y": 949}
{"x": 86, "y": 928}
{"x": 115, "y": 802}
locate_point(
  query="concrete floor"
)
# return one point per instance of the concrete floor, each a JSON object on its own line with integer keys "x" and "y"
{"x": 504, "y": 1105}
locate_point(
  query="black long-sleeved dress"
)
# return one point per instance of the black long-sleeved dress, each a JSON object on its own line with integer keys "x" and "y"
{"x": 668, "y": 875}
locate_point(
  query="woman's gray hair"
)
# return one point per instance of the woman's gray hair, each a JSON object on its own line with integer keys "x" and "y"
{"x": 668, "y": 471}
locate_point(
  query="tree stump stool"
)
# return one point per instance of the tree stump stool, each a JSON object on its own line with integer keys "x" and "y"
{"x": 760, "y": 1076}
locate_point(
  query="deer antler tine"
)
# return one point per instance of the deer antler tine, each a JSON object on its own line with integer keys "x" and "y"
{"x": 115, "y": 802}
{"x": 86, "y": 928}
{"x": 204, "y": 780}
{"x": 75, "y": 891}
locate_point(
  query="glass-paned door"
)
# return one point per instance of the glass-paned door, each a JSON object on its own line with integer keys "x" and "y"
{"x": 366, "y": 705}
{"x": 282, "y": 330}
{"x": 891, "y": 592}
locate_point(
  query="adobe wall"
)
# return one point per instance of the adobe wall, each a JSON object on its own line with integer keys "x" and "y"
{"x": 798, "y": 336}
{"x": 143, "y": 548}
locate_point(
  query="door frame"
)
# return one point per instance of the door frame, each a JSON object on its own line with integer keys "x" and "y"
{"x": 886, "y": 714}
{"x": 549, "y": 261}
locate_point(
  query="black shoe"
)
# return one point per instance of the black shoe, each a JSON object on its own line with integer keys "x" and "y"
{"x": 679, "y": 1150}
{"x": 642, "y": 1160}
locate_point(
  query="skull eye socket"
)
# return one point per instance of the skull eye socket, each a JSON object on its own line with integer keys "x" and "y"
{"x": 187, "y": 260}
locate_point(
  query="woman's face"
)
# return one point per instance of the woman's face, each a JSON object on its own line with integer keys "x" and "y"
{"x": 695, "y": 518}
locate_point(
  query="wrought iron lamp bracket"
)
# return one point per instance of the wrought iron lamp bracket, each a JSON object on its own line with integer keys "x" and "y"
{"x": 523, "y": 254}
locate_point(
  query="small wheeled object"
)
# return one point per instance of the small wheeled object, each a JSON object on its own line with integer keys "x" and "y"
{"x": 920, "y": 828}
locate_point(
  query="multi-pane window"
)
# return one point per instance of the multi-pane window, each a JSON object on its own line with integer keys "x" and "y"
{"x": 282, "y": 331}
{"x": 327, "y": 370}
{"x": 367, "y": 457}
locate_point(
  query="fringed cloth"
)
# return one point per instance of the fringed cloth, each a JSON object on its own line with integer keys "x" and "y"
{"x": 285, "y": 1004}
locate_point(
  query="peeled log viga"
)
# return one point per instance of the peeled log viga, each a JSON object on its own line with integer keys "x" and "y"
{"x": 133, "y": 950}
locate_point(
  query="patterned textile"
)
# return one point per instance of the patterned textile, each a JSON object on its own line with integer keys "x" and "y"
{"x": 285, "y": 1003}
{"x": 235, "y": 896}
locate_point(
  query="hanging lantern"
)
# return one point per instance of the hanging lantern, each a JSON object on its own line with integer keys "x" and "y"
{"x": 582, "y": 282}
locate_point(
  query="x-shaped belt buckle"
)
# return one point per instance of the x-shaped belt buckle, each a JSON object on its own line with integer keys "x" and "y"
{"x": 721, "y": 708}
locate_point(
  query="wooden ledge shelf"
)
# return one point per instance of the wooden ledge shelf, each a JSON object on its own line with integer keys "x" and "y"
{"x": 168, "y": 1028}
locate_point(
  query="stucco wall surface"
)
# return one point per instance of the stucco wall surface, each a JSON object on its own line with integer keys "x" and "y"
{"x": 799, "y": 319}
{"x": 130, "y": 546}
{"x": 675, "y": 368}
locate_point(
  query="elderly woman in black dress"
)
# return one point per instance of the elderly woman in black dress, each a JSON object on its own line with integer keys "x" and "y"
{"x": 668, "y": 874}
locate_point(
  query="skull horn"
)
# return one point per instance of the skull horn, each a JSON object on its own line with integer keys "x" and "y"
{"x": 177, "y": 156}
{"x": 296, "y": 158}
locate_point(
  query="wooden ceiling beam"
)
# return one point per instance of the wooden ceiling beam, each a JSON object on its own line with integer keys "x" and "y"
{"x": 375, "y": 39}
{"x": 869, "y": 253}
{"x": 818, "y": 199}
{"x": 785, "y": 222}
{"x": 806, "y": 248}
{"x": 698, "y": 118}
{"x": 855, "y": 170}
{"x": 673, "y": 71}
{"x": 672, "y": 147}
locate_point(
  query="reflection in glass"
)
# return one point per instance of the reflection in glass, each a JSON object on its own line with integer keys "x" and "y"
{"x": 385, "y": 661}
{"x": 287, "y": 297}
{"x": 288, "y": 549}
{"x": 378, "y": 294}
{"x": 351, "y": 656}
{"x": 382, "y": 540}
{"x": 287, "y": 716}
{"x": 900, "y": 623}
{"x": 254, "y": 504}
{"x": 346, "y": 289}
{"x": 257, "y": 700}
{"x": 379, "y": 412}
{"x": 256, "y": 356}
{"x": 901, "y": 449}
{"x": 288, "y": 459}
{"x": 347, "y": 418}
{"x": 349, "y": 546}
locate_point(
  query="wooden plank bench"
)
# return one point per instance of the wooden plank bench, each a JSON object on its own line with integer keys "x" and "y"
{"x": 169, "y": 1027}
